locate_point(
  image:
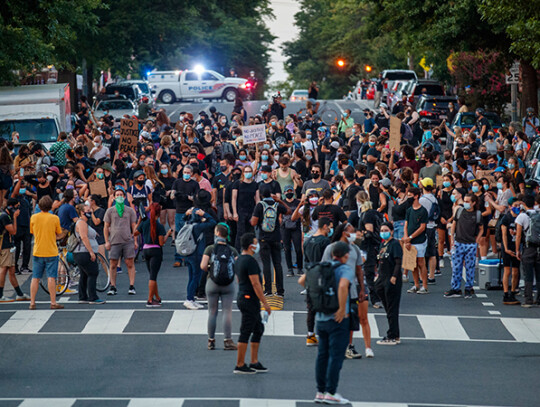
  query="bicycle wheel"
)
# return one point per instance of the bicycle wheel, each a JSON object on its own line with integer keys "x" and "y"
{"x": 329, "y": 116}
{"x": 103, "y": 280}
{"x": 138, "y": 252}
{"x": 62, "y": 279}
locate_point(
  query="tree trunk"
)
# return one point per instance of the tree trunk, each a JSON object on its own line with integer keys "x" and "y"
{"x": 65, "y": 76}
{"x": 529, "y": 95}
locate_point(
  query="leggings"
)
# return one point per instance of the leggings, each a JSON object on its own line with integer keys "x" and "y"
{"x": 251, "y": 324}
{"x": 153, "y": 258}
{"x": 213, "y": 293}
{"x": 242, "y": 226}
{"x": 88, "y": 278}
{"x": 464, "y": 255}
{"x": 290, "y": 237}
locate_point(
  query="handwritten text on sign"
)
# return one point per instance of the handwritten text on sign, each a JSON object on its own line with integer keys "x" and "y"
{"x": 254, "y": 134}
{"x": 129, "y": 133}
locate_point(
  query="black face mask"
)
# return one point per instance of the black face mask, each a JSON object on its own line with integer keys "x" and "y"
{"x": 186, "y": 153}
{"x": 139, "y": 182}
{"x": 289, "y": 195}
{"x": 223, "y": 168}
{"x": 236, "y": 176}
{"x": 149, "y": 152}
{"x": 315, "y": 175}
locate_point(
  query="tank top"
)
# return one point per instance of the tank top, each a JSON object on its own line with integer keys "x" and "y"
{"x": 92, "y": 234}
{"x": 284, "y": 181}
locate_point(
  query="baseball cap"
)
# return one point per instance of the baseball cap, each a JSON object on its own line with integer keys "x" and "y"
{"x": 312, "y": 192}
{"x": 511, "y": 200}
{"x": 426, "y": 182}
{"x": 387, "y": 183}
{"x": 499, "y": 169}
{"x": 322, "y": 129}
{"x": 334, "y": 144}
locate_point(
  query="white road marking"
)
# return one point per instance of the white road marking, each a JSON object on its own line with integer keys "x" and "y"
{"x": 523, "y": 329}
{"x": 26, "y": 322}
{"x": 160, "y": 402}
{"x": 280, "y": 323}
{"x": 481, "y": 295}
{"x": 442, "y": 327}
{"x": 266, "y": 403}
{"x": 494, "y": 312}
{"x": 188, "y": 322}
{"x": 488, "y": 304}
{"x": 47, "y": 403}
{"x": 108, "y": 322}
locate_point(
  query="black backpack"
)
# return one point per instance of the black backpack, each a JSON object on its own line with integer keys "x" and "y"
{"x": 222, "y": 270}
{"x": 498, "y": 229}
{"x": 435, "y": 210}
{"x": 322, "y": 287}
{"x": 375, "y": 235}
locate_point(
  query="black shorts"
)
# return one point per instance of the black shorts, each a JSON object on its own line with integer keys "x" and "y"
{"x": 510, "y": 261}
{"x": 431, "y": 249}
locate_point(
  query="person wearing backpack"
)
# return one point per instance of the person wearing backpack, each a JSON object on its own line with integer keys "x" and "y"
{"x": 528, "y": 238}
{"x": 466, "y": 232}
{"x": 266, "y": 219}
{"x": 368, "y": 222}
{"x": 218, "y": 261}
{"x": 291, "y": 234}
{"x": 333, "y": 325}
{"x": 431, "y": 203}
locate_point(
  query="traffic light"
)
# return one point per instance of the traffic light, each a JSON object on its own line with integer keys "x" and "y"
{"x": 340, "y": 63}
{"x": 368, "y": 68}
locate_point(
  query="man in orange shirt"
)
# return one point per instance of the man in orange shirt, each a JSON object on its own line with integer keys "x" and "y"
{"x": 46, "y": 229}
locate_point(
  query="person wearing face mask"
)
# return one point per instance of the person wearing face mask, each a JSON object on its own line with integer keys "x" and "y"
{"x": 531, "y": 124}
{"x": 139, "y": 195}
{"x": 491, "y": 144}
{"x": 291, "y": 234}
{"x": 267, "y": 182}
{"x": 346, "y": 122}
{"x": 316, "y": 182}
{"x": 218, "y": 261}
{"x": 220, "y": 181}
{"x": 346, "y": 233}
{"x": 250, "y": 297}
{"x": 23, "y": 238}
{"x": 389, "y": 282}
{"x": 484, "y": 207}
{"x": 99, "y": 151}
{"x": 517, "y": 179}
{"x": 510, "y": 257}
{"x": 314, "y": 247}
{"x": 327, "y": 209}
{"x": 465, "y": 236}
{"x": 43, "y": 186}
{"x": 84, "y": 255}
{"x": 304, "y": 211}
{"x": 167, "y": 204}
{"x": 445, "y": 204}
{"x": 58, "y": 150}
{"x": 67, "y": 212}
{"x": 243, "y": 159}
{"x": 243, "y": 203}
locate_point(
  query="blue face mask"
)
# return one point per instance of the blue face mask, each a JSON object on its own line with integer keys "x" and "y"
{"x": 164, "y": 171}
{"x": 248, "y": 175}
{"x": 266, "y": 146}
{"x": 371, "y": 143}
{"x": 186, "y": 176}
{"x": 499, "y": 185}
{"x": 385, "y": 235}
{"x": 486, "y": 187}
{"x": 467, "y": 205}
{"x": 475, "y": 189}
{"x": 264, "y": 157}
{"x": 516, "y": 210}
{"x": 510, "y": 166}
{"x": 447, "y": 184}
{"x": 264, "y": 177}
{"x": 242, "y": 157}
{"x": 22, "y": 191}
{"x": 453, "y": 198}
{"x": 491, "y": 165}
{"x": 331, "y": 232}
{"x": 273, "y": 123}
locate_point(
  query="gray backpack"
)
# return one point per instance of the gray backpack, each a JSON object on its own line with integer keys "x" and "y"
{"x": 532, "y": 235}
{"x": 186, "y": 244}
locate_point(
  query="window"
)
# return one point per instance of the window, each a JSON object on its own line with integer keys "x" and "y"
{"x": 207, "y": 76}
{"x": 192, "y": 76}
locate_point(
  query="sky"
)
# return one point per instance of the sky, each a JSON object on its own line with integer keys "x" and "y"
{"x": 284, "y": 29}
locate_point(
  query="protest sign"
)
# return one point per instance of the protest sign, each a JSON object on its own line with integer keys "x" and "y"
{"x": 409, "y": 258}
{"x": 129, "y": 134}
{"x": 395, "y": 133}
{"x": 98, "y": 187}
{"x": 254, "y": 134}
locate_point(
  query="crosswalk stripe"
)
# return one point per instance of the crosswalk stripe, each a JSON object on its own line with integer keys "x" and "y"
{"x": 108, "y": 322}
{"x": 47, "y": 403}
{"x": 280, "y": 324}
{"x": 443, "y": 327}
{"x": 26, "y": 322}
{"x": 523, "y": 329}
{"x": 172, "y": 402}
{"x": 187, "y": 322}
{"x": 266, "y": 403}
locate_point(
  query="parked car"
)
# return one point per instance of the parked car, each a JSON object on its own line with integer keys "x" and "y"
{"x": 129, "y": 91}
{"x": 298, "y": 95}
{"x": 116, "y": 108}
{"x": 143, "y": 85}
{"x": 425, "y": 86}
{"x": 396, "y": 93}
{"x": 468, "y": 120}
{"x": 392, "y": 75}
{"x": 531, "y": 160}
{"x": 434, "y": 108}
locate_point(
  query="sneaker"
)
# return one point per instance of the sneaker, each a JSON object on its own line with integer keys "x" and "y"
{"x": 469, "y": 292}
{"x": 405, "y": 278}
{"x": 190, "y": 305}
{"x": 299, "y": 272}
{"x": 441, "y": 263}
{"x": 290, "y": 273}
{"x": 24, "y": 297}
{"x": 132, "y": 291}
{"x": 6, "y": 299}
{"x": 335, "y": 399}
{"x": 452, "y": 294}
{"x": 177, "y": 264}
{"x": 268, "y": 294}
{"x": 369, "y": 353}
{"x": 98, "y": 302}
{"x": 527, "y": 304}
{"x": 422, "y": 291}
{"x": 319, "y": 397}
{"x": 303, "y": 292}
{"x": 228, "y": 344}
{"x": 198, "y": 305}
{"x": 112, "y": 290}
{"x": 311, "y": 340}
{"x": 279, "y": 295}
{"x": 153, "y": 304}
{"x": 398, "y": 340}
{"x": 413, "y": 290}
{"x": 119, "y": 270}
{"x": 200, "y": 298}
{"x": 26, "y": 270}
{"x": 438, "y": 273}
{"x": 244, "y": 370}
{"x": 386, "y": 341}
{"x": 510, "y": 299}
{"x": 70, "y": 291}
{"x": 378, "y": 305}
{"x": 431, "y": 281}
{"x": 258, "y": 367}
{"x": 84, "y": 302}
{"x": 211, "y": 344}
{"x": 351, "y": 352}
{"x": 447, "y": 254}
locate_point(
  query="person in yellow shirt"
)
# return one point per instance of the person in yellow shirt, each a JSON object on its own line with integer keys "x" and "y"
{"x": 46, "y": 229}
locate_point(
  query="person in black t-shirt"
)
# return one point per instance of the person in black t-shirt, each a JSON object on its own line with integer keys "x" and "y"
{"x": 511, "y": 262}
{"x": 268, "y": 183}
{"x": 482, "y": 124}
{"x": 245, "y": 195}
{"x": 219, "y": 184}
{"x": 250, "y": 297}
{"x": 329, "y": 210}
{"x": 389, "y": 282}
{"x": 291, "y": 233}
{"x": 270, "y": 238}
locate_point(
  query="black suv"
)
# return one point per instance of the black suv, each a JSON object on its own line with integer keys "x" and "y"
{"x": 432, "y": 87}
{"x": 129, "y": 91}
{"x": 434, "y": 108}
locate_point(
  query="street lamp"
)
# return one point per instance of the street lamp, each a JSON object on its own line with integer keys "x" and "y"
{"x": 368, "y": 68}
{"x": 340, "y": 63}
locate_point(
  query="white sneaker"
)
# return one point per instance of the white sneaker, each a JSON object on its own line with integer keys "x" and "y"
{"x": 447, "y": 254}
{"x": 405, "y": 278}
{"x": 190, "y": 305}
{"x": 441, "y": 263}
{"x": 24, "y": 297}
{"x": 303, "y": 292}
{"x": 422, "y": 291}
{"x": 6, "y": 299}
{"x": 335, "y": 399}
{"x": 369, "y": 353}
{"x": 198, "y": 305}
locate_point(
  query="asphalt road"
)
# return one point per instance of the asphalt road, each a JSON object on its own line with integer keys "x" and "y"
{"x": 453, "y": 352}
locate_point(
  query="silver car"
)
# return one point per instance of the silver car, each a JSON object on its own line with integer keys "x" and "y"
{"x": 116, "y": 108}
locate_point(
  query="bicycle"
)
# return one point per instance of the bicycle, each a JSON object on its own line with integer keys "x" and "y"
{"x": 327, "y": 114}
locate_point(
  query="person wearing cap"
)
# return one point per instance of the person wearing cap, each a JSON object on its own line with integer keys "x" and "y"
{"x": 267, "y": 182}
{"x": 291, "y": 234}
{"x": 144, "y": 109}
{"x": 531, "y": 124}
{"x": 482, "y": 124}
{"x": 510, "y": 253}
{"x": 120, "y": 223}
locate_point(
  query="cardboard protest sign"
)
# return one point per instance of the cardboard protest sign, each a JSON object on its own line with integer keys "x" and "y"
{"x": 487, "y": 174}
{"x": 438, "y": 181}
{"x": 98, "y": 187}
{"x": 409, "y": 258}
{"x": 254, "y": 134}
{"x": 348, "y": 133}
{"x": 395, "y": 133}
{"x": 129, "y": 134}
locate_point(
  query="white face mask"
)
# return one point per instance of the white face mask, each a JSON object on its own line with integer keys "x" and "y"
{"x": 256, "y": 248}
{"x": 49, "y": 178}
{"x": 352, "y": 238}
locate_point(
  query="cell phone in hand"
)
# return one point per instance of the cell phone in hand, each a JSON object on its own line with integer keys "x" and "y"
{"x": 21, "y": 172}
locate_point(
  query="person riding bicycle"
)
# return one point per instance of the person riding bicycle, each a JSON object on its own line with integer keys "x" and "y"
{"x": 139, "y": 195}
